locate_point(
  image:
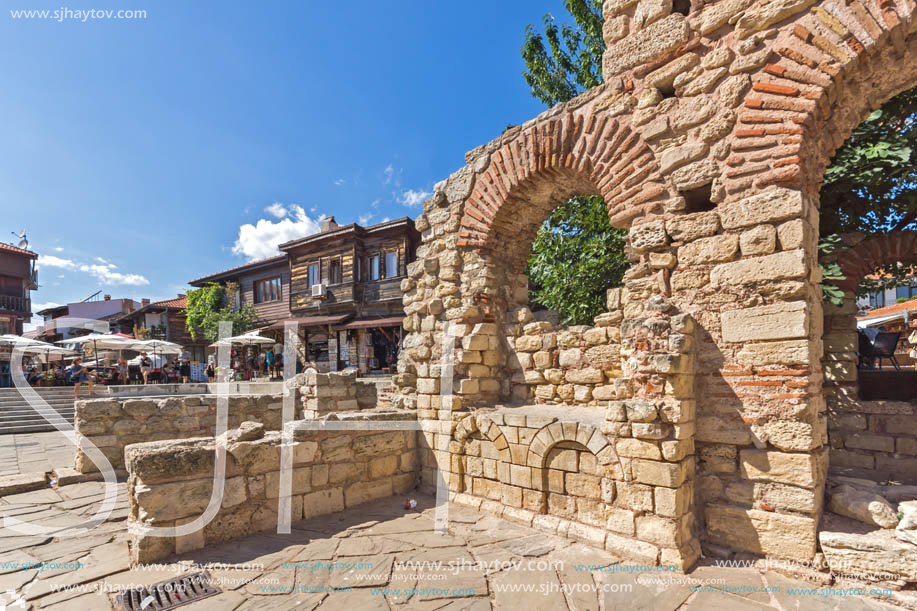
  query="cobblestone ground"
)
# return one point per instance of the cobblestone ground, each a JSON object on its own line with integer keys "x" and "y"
{"x": 359, "y": 560}
{"x": 34, "y": 452}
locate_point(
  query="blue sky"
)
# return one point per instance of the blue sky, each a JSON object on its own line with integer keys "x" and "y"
{"x": 140, "y": 154}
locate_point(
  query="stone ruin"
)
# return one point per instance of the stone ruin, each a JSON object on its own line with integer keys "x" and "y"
{"x": 704, "y": 406}
{"x": 716, "y": 365}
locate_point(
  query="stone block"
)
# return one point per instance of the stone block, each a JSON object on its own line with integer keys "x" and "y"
{"x": 769, "y": 207}
{"x": 323, "y": 502}
{"x": 670, "y": 475}
{"x": 761, "y": 532}
{"x": 715, "y": 249}
{"x": 649, "y": 43}
{"x": 786, "y": 320}
{"x": 638, "y": 551}
{"x": 793, "y": 352}
{"x": 787, "y": 265}
{"x": 782, "y": 467}
{"x": 690, "y": 227}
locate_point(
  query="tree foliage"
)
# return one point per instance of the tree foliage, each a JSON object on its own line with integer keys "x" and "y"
{"x": 565, "y": 60}
{"x": 576, "y": 257}
{"x": 871, "y": 186}
{"x": 208, "y": 306}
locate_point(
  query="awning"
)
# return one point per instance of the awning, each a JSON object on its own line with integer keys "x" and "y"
{"x": 313, "y": 321}
{"x": 372, "y": 323}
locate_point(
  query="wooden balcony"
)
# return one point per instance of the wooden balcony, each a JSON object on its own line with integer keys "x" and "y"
{"x": 14, "y": 304}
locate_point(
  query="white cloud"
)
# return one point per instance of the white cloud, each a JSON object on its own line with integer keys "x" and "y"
{"x": 363, "y": 219}
{"x": 375, "y": 204}
{"x": 413, "y": 198}
{"x": 277, "y": 210}
{"x": 260, "y": 241}
{"x": 106, "y": 275}
{"x": 389, "y": 173}
{"x": 102, "y": 271}
{"x": 58, "y": 249}
{"x": 38, "y": 307}
{"x": 339, "y": 182}
{"x": 52, "y": 261}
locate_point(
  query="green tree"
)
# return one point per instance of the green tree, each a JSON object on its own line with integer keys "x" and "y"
{"x": 208, "y": 306}
{"x": 565, "y": 60}
{"x": 576, "y": 257}
{"x": 871, "y": 186}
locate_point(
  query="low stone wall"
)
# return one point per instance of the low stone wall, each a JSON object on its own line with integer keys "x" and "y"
{"x": 878, "y": 436}
{"x": 113, "y": 424}
{"x": 340, "y": 391}
{"x": 332, "y": 471}
{"x": 619, "y": 479}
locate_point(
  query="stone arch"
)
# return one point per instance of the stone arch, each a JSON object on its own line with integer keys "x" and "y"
{"x": 532, "y": 171}
{"x": 466, "y": 430}
{"x": 864, "y": 255}
{"x": 586, "y": 435}
{"x": 739, "y": 105}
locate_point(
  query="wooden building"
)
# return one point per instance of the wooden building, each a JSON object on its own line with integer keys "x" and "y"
{"x": 17, "y": 279}
{"x": 264, "y": 284}
{"x": 346, "y": 293}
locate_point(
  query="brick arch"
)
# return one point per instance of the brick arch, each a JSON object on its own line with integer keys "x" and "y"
{"x": 864, "y": 255}
{"x": 825, "y": 72}
{"x": 578, "y": 153}
{"x": 581, "y": 433}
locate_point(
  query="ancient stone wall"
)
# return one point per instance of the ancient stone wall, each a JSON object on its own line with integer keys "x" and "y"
{"x": 708, "y": 139}
{"x": 113, "y": 424}
{"x": 324, "y": 393}
{"x": 332, "y": 471}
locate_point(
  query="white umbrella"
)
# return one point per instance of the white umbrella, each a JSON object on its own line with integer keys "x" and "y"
{"x": 157, "y": 346}
{"x": 33, "y": 346}
{"x": 245, "y": 340}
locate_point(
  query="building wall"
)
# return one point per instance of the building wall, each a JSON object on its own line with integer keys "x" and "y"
{"x": 268, "y": 312}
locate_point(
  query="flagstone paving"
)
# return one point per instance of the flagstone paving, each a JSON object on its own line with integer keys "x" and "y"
{"x": 34, "y": 453}
{"x": 362, "y": 560}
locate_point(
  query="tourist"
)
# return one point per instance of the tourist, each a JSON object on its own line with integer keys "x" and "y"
{"x": 184, "y": 369}
{"x": 122, "y": 371}
{"x": 146, "y": 366}
{"x": 278, "y": 365}
{"x": 211, "y": 373}
{"x": 79, "y": 374}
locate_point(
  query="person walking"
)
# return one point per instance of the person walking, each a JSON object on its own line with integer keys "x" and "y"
{"x": 211, "y": 373}
{"x": 184, "y": 369}
{"x": 146, "y": 366}
{"x": 79, "y": 374}
{"x": 122, "y": 370}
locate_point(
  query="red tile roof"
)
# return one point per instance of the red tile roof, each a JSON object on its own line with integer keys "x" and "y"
{"x": 18, "y": 251}
{"x": 178, "y": 302}
{"x": 892, "y": 309}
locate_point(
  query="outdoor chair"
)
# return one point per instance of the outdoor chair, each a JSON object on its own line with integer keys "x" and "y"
{"x": 884, "y": 348}
{"x": 867, "y": 355}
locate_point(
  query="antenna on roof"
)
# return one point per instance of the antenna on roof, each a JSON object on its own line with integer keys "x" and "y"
{"x": 23, "y": 241}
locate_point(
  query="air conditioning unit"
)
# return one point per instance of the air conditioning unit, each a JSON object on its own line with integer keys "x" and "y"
{"x": 318, "y": 291}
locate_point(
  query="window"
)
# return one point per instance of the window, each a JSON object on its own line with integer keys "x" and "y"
{"x": 334, "y": 272}
{"x": 877, "y": 299}
{"x": 374, "y": 267}
{"x": 6, "y": 325}
{"x": 905, "y": 292}
{"x": 267, "y": 290}
{"x": 391, "y": 264}
{"x": 314, "y": 277}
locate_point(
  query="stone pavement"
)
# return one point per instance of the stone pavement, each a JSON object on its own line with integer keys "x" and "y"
{"x": 360, "y": 560}
{"x": 34, "y": 452}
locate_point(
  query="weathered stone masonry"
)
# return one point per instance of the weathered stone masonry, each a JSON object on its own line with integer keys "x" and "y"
{"x": 708, "y": 140}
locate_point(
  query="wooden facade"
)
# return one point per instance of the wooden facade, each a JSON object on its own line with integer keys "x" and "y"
{"x": 372, "y": 262}
{"x": 17, "y": 279}
{"x": 247, "y": 277}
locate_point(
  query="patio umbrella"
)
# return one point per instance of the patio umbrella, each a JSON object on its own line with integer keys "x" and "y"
{"x": 243, "y": 340}
{"x": 155, "y": 345}
{"x": 33, "y": 346}
{"x": 105, "y": 340}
